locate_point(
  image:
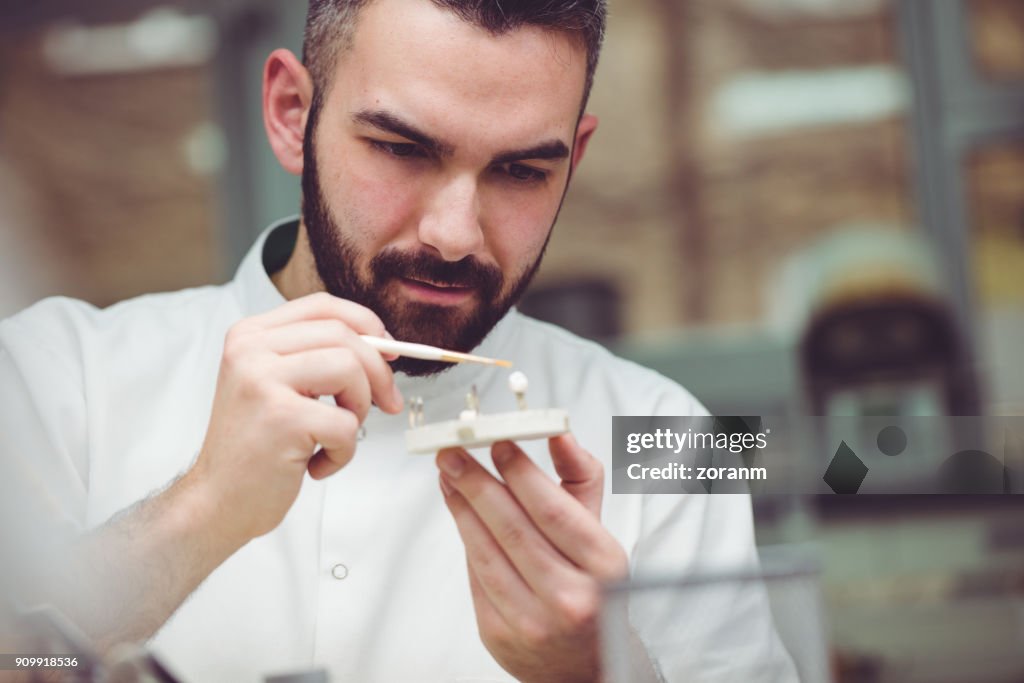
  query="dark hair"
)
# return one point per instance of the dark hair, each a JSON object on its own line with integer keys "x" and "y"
{"x": 330, "y": 26}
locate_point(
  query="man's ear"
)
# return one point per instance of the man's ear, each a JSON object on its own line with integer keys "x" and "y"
{"x": 287, "y": 96}
{"x": 585, "y": 128}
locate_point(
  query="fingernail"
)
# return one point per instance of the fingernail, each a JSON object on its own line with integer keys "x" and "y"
{"x": 396, "y": 398}
{"x": 502, "y": 453}
{"x": 446, "y": 488}
{"x": 451, "y": 463}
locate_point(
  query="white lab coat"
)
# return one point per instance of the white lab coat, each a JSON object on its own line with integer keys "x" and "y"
{"x": 366, "y": 575}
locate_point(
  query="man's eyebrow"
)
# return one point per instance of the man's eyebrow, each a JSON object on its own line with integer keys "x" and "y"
{"x": 390, "y": 123}
{"x": 552, "y": 149}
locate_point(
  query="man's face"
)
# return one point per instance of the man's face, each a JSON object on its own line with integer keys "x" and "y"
{"x": 436, "y": 168}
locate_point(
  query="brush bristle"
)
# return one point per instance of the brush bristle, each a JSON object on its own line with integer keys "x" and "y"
{"x": 469, "y": 358}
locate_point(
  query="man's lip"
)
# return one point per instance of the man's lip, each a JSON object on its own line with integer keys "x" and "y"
{"x": 428, "y": 292}
{"x": 437, "y": 285}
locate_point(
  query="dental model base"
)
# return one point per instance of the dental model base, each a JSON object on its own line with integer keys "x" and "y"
{"x": 473, "y": 429}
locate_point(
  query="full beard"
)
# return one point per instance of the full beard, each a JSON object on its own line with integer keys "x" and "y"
{"x": 448, "y": 327}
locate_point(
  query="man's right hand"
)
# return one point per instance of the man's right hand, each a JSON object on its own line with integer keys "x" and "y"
{"x": 121, "y": 581}
{"x": 267, "y": 420}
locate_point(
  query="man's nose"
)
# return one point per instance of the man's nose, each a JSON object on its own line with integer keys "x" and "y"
{"x": 451, "y": 224}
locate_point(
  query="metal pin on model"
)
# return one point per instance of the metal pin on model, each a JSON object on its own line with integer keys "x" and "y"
{"x": 415, "y": 412}
{"x": 472, "y": 405}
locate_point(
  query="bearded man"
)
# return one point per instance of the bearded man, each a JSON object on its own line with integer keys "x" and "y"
{"x": 289, "y": 527}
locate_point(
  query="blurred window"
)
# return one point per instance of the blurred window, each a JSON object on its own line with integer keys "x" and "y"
{"x": 997, "y": 37}
{"x": 995, "y": 177}
{"x": 110, "y": 125}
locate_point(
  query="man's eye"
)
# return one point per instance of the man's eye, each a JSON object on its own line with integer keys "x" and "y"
{"x": 524, "y": 173}
{"x": 397, "y": 149}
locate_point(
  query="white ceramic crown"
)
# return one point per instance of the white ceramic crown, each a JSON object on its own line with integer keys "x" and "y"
{"x": 518, "y": 383}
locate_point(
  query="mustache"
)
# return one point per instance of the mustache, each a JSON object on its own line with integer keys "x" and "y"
{"x": 467, "y": 272}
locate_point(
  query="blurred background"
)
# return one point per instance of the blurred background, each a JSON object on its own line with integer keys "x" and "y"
{"x": 791, "y": 207}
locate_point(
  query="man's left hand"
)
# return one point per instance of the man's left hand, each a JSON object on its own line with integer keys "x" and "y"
{"x": 537, "y": 556}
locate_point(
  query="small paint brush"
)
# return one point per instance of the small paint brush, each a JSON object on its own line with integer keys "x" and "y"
{"x": 425, "y": 352}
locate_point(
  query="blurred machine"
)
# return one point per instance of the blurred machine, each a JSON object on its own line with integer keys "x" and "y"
{"x": 879, "y": 336}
